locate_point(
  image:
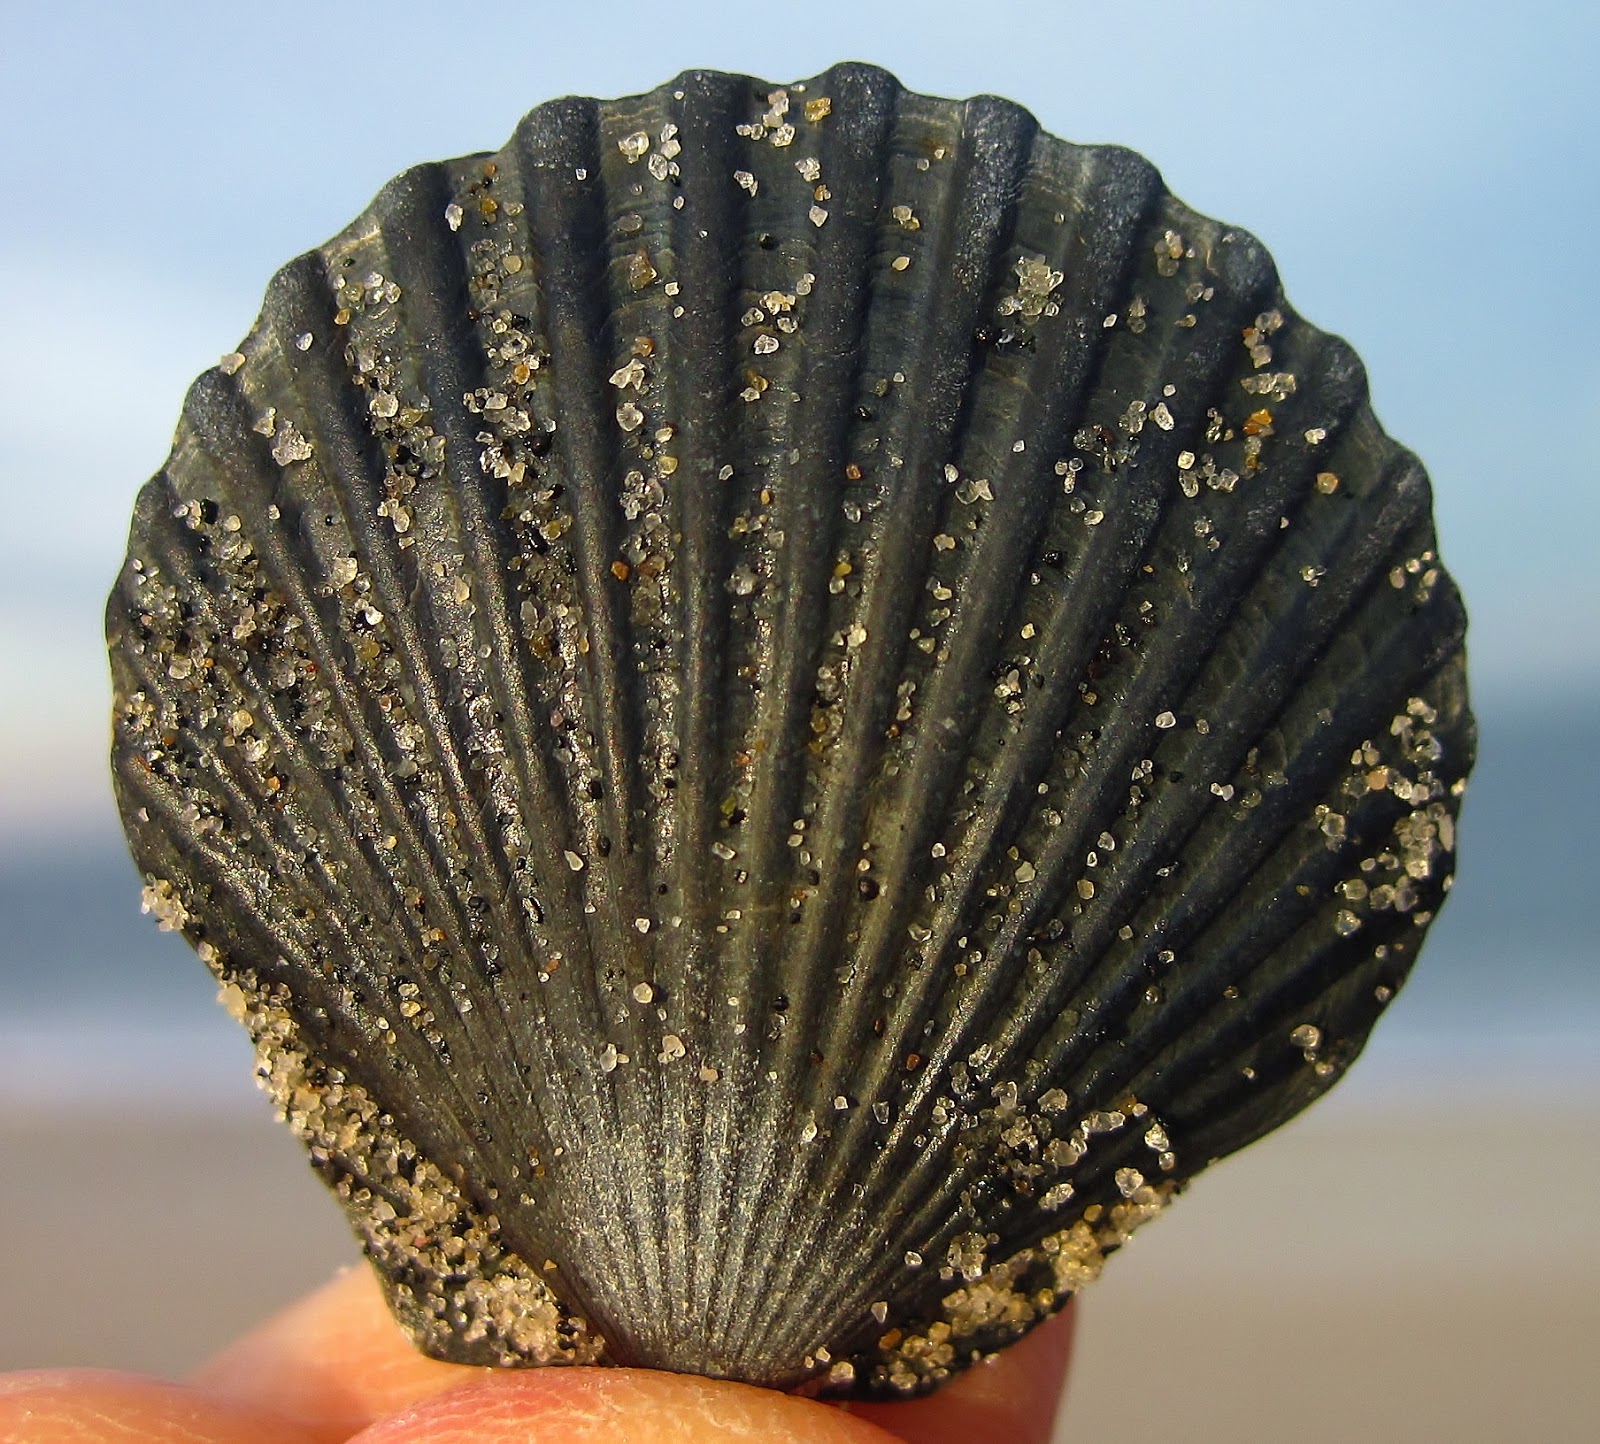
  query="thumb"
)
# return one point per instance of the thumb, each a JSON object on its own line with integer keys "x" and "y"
{"x": 1009, "y": 1400}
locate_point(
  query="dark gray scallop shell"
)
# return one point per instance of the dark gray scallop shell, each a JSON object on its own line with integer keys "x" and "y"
{"x": 781, "y": 709}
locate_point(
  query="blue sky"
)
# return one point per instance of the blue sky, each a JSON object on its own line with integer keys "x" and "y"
{"x": 1427, "y": 176}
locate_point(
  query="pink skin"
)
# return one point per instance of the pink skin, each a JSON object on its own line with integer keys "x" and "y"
{"x": 334, "y": 1367}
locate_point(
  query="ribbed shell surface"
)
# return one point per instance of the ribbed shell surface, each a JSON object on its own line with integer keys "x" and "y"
{"x": 782, "y": 708}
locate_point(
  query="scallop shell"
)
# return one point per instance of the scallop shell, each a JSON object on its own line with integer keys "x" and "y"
{"x": 782, "y": 709}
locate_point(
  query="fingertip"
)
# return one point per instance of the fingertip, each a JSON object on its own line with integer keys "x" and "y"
{"x": 587, "y": 1406}
{"x": 336, "y": 1364}
{"x": 332, "y": 1362}
{"x": 99, "y": 1406}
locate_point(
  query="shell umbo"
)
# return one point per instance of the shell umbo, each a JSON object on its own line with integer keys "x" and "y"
{"x": 782, "y": 708}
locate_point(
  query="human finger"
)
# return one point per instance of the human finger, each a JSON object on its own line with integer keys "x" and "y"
{"x": 336, "y": 1362}
{"x": 100, "y": 1406}
{"x": 332, "y": 1362}
{"x": 642, "y": 1406}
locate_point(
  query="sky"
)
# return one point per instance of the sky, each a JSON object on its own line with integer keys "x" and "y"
{"x": 1425, "y": 175}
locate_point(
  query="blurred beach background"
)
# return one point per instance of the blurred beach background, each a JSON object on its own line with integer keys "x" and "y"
{"x": 1417, "y": 1258}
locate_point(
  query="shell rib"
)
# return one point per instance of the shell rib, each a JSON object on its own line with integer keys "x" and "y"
{"x": 782, "y": 709}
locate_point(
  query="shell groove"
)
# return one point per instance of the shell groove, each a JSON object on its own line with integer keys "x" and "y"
{"x": 781, "y": 709}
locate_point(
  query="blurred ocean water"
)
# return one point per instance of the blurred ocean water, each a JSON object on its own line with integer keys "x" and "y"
{"x": 98, "y": 1007}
